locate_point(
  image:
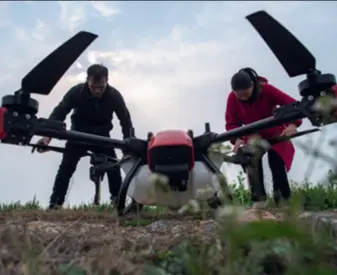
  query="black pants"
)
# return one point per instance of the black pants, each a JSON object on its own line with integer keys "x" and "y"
{"x": 281, "y": 187}
{"x": 70, "y": 159}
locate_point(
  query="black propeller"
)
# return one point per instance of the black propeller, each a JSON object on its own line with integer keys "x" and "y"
{"x": 291, "y": 53}
{"x": 43, "y": 78}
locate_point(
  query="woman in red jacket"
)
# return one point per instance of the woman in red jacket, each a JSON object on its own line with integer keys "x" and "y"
{"x": 252, "y": 99}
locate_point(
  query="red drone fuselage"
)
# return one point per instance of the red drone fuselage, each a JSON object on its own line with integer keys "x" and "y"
{"x": 170, "y": 148}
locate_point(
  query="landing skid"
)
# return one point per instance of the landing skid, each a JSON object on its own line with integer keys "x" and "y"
{"x": 132, "y": 207}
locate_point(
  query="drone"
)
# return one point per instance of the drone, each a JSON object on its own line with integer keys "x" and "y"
{"x": 182, "y": 157}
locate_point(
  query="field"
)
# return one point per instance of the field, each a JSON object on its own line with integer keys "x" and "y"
{"x": 297, "y": 239}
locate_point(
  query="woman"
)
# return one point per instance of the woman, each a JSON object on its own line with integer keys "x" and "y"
{"x": 252, "y": 99}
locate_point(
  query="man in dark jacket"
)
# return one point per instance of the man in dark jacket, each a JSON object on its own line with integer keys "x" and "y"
{"x": 93, "y": 104}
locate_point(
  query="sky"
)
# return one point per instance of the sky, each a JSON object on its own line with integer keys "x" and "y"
{"x": 172, "y": 62}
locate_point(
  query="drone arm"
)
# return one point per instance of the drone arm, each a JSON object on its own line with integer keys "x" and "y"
{"x": 61, "y": 111}
{"x": 19, "y": 128}
{"x": 256, "y": 127}
{"x": 81, "y": 137}
{"x": 277, "y": 97}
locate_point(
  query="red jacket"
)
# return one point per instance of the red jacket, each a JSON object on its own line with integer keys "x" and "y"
{"x": 239, "y": 113}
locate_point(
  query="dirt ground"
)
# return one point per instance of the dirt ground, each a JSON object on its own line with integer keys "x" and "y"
{"x": 89, "y": 239}
{"x": 42, "y": 242}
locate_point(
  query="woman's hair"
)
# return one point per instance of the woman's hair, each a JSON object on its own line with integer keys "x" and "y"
{"x": 253, "y": 76}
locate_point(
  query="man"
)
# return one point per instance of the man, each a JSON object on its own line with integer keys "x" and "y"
{"x": 93, "y": 104}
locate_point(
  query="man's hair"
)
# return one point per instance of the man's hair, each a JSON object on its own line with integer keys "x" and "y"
{"x": 97, "y": 71}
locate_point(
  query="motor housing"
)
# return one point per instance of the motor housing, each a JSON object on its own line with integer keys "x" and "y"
{"x": 171, "y": 153}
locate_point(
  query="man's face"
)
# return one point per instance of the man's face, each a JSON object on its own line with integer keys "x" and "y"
{"x": 244, "y": 94}
{"x": 97, "y": 87}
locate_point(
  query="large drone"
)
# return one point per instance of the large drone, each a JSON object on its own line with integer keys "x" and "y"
{"x": 179, "y": 155}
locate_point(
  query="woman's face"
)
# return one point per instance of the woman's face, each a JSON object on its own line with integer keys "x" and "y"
{"x": 244, "y": 94}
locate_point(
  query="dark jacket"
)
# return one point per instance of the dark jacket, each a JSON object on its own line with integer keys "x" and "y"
{"x": 93, "y": 115}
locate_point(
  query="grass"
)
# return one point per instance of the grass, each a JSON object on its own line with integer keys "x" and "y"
{"x": 209, "y": 246}
{"x": 314, "y": 197}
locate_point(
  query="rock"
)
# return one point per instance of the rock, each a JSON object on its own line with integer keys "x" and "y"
{"x": 318, "y": 220}
{"x": 255, "y": 215}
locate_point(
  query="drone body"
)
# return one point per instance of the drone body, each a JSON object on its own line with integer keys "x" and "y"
{"x": 171, "y": 154}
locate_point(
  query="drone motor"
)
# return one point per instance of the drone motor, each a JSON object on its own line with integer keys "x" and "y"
{"x": 21, "y": 102}
{"x": 315, "y": 83}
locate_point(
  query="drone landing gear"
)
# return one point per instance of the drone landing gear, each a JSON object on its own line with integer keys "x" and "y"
{"x": 97, "y": 196}
{"x": 215, "y": 202}
{"x": 121, "y": 200}
{"x": 133, "y": 207}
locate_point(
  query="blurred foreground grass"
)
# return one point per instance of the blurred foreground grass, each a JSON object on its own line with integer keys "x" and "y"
{"x": 275, "y": 247}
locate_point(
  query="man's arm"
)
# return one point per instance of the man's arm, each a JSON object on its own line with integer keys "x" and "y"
{"x": 123, "y": 114}
{"x": 61, "y": 111}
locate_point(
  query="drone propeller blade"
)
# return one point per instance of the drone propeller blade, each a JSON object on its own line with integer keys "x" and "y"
{"x": 291, "y": 53}
{"x": 43, "y": 78}
{"x": 275, "y": 140}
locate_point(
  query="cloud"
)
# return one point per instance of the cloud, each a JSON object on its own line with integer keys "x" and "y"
{"x": 105, "y": 9}
{"x": 177, "y": 77}
{"x": 73, "y": 14}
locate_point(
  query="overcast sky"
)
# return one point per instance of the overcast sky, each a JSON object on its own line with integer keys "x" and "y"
{"x": 172, "y": 62}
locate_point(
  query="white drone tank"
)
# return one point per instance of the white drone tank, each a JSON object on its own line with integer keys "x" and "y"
{"x": 142, "y": 189}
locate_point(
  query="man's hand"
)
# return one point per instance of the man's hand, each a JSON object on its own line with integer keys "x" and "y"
{"x": 43, "y": 141}
{"x": 238, "y": 143}
{"x": 290, "y": 130}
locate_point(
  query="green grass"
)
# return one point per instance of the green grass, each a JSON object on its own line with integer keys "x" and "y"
{"x": 314, "y": 197}
{"x": 282, "y": 247}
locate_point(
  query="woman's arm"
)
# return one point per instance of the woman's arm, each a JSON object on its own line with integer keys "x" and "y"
{"x": 232, "y": 120}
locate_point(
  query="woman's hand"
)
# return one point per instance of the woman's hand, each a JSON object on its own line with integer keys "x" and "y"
{"x": 238, "y": 143}
{"x": 290, "y": 130}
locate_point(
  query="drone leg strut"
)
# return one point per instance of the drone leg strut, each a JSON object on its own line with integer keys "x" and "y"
{"x": 97, "y": 197}
{"x": 255, "y": 179}
{"x": 210, "y": 165}
{"x": 125, "y": 186}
